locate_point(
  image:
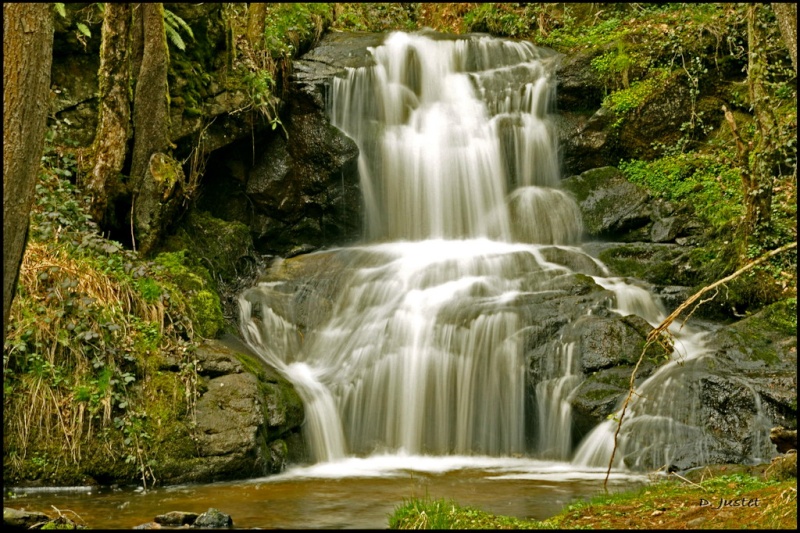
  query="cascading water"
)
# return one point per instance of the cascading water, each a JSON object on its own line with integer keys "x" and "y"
{"x": 414, "y": 342}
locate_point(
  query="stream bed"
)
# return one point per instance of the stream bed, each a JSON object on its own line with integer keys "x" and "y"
{"x": 352, "y": 493}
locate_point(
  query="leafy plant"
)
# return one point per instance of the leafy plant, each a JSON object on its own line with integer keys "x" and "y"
{"x": 172, "y": 24}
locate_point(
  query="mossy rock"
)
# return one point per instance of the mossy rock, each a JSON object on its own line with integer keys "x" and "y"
{"x": 768, "y": 338}
{"x": 197, "y": 285}
{"x": 660, "y": 264}
{"x": 225, "y": 247}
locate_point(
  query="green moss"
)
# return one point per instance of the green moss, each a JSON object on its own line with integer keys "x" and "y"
{"x": 195, "y": 284}
{"x": 425, "y": 513}
{"x": 782, "y": 316}
{"x": 207, "y": 309}
{"x": 210, "y": 241}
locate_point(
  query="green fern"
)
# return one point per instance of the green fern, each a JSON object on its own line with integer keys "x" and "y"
{"x": 172, "y": 24}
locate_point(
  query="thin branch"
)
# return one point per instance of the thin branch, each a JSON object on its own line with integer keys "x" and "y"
{"x": 667, "y": 321}
{"x": 654, "y": 335}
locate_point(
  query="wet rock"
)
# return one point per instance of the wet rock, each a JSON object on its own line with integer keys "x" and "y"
{"x": 213, "y": 519}
{"x": 580, "y": 85}
{"x": 660, "y": 264}
{"x": 176, "y": 518}
{"x": 604, "y": 342}
{"x": 610, "y": 204}
{"x": 245, "y": 416}
{"x": 586, "y": 140}
{"x": 602, "y": 393}
{"x": 21, "y": 519}
{"x": 762, "y": 349}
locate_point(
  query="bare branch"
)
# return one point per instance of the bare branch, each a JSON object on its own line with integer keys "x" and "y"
{"x": 655, "y": 335}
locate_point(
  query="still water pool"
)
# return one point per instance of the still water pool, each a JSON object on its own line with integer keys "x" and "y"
{"x": 354, "y": 493}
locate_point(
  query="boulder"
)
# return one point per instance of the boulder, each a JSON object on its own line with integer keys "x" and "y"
{"x": 611, "y": 205}
{"x": 213, "y": 519}
{"x": 245, "y": 419}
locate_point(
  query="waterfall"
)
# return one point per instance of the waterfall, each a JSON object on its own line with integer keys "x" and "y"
{"x": 414, "y": 342}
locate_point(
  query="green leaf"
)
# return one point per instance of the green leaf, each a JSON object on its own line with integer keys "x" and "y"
{"x": 175, "y": 38}
{"x": 175, "y": 21}
{"x": 83, "y": 28}
{"x": 60, "y": 9}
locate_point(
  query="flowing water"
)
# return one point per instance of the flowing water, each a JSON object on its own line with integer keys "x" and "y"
{"x": 409, "y": 350}
{"x": 412, "y": 344}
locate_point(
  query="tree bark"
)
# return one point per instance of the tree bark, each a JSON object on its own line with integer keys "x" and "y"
{"x": 787, "y": 22}
{"x": 150, "y": 116}
{"x": 113, "y": 130}
{"x": 758, "y": 193}
{"x": 27, "y": 57}
{"x": 256, "y": 21}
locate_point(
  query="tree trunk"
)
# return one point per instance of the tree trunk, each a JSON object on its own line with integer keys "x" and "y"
{"x": 787, "y": 22}
{"x": 758, "y": 189}
{"x": 256, "y": 21}
{"x": 150, "y": 118}
{"x": 27, "y": 57}
{"x": 113, "y": 130}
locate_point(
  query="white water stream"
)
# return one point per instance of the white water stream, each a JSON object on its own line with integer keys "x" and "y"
{"x": 419, "y": 351}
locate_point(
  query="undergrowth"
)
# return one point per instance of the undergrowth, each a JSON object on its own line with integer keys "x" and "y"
{"x": 86, "y": 395}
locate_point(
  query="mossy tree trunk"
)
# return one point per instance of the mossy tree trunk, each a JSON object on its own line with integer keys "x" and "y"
{"x": 150, "y": 126}
{"x": 256, "y": 21}
{"x": 27, "y": 57}
{"x": 787, "y": 22}
{"x": 763, "y": 166}
{"x": 759, "y": 157}
{"x": 113, "y": 130}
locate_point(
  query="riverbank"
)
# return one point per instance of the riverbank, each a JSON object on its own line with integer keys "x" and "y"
{"x": 724, "y": 498}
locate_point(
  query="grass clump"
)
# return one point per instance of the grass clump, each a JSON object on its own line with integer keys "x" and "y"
{"x": 425, "y": 513}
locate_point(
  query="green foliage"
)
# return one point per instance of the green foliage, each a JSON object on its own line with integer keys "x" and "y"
{"x": 196, "y": 286}
{"x": 631, "y": 98}
{"x": 710, "y": 185}
{"x": 292, "y": 28}
{"x": 89, "y": 325}
{"x": 498, "y": 19}
{"x": 375, "y": 17}
{"x": 172, "y": 24}
{"x": 425, "y": 513}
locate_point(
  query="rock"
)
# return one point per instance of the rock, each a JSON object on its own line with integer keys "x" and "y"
{"x": 21, "y": 519}
{"x": 586, "y": 140}
{"x": 605, "y": 342}
{"x": 176, "y": 518}
{"x": 148, "y": 525}
{"x": 213, "y": 519}
{"x": 660, "y": 264}
{"x": 600, "y": 394}
{"x": 657, "y": 120}
{"x": 783, "y": 439}
{"x": 610, "y": 204}
{"x": 666, "y": 229}
{"x": 246, "y": 418}
{"x": 580, "y": 86}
